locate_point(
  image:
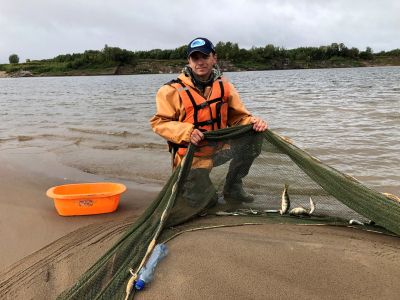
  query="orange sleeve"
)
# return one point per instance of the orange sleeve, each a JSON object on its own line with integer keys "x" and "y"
{"x": 170, "y": 113}
{"x": 237, "y": 113}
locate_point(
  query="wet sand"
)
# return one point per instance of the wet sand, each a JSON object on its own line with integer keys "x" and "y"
{"x": 43, "y": 253}
{"x": 29, "y": 220}
{"x": 278, "y": 261}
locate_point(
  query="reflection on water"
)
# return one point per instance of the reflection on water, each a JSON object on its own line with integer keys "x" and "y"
{"x": 349, "y": 118}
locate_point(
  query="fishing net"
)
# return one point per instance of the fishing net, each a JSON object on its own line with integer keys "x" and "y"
{"x": 241, "y": 183}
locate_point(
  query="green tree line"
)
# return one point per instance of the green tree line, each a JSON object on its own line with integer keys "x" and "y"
{"x": 227, "y": 51}
{"x": 112, "y": 56}
{"x": 108, "y": 54}
{"x": 116, "y": 54}
{"x": 260, "y": 54}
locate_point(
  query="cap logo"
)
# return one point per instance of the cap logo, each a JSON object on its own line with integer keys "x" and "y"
{"x": 197, "y": 43}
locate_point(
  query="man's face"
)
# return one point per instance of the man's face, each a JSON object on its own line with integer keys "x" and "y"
{"x": 202, "y": 64}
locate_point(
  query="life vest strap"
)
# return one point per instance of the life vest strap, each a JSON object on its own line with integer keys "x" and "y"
{"x": 173, "y": 81}
{"x": 172, "y": 145}
{"x": 202, "y": 105}
{"x": 208, "y": 122}
{"x": 205, "y": 103}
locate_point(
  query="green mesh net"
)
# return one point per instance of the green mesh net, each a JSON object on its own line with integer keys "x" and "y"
{"x": 241, "y": 183}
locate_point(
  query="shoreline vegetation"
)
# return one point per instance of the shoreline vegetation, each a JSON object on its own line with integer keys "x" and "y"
{"x": 116, "y": 61}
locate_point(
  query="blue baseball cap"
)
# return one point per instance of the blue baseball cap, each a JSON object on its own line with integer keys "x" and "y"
{"x": 200, "y": 44}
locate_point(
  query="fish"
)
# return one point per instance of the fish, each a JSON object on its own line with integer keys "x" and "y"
{"x": 253, "y": 211}
{"x": 300, "y": 211}
{"x": 271, "y": 211}
{"x": 239, "y": 213}
{"x": 247, "y": 211}
{"x": 225, "y": 213}
{"x": 312, "y": 205}
{"x": 355, "y": 222}
{"x": 285, "y": 201}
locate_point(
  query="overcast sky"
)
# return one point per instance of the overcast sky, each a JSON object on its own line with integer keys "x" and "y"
{"x": 40, "y": 29}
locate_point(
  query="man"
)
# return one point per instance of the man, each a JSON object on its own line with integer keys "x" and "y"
{"x": 201, "y": 100}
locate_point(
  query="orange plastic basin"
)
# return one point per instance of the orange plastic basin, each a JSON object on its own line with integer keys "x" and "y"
{"x": 86, "y": 198}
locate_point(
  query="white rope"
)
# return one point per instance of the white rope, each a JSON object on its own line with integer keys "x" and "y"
{"x": 130, "y": 286}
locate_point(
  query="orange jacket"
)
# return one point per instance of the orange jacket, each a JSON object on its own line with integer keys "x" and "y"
{"x": 171, "y": 112}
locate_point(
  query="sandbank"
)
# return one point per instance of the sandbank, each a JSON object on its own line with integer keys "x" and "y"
{"x": 43, "y": 253}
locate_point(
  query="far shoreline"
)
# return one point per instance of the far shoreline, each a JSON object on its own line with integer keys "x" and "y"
{"x": 175, "y": 67}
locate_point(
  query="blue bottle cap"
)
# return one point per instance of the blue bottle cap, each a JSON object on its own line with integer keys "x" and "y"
{"x": 139, "y": 284}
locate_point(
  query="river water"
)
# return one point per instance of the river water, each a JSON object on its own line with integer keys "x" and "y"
{"x": 349, "y": 118}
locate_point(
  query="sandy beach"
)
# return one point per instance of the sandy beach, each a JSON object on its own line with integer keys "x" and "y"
{"x": 29, "y": 220}
{"x": 43, "y": 253}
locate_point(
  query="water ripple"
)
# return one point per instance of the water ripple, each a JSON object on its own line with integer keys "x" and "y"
{"x": 348, "y": 117}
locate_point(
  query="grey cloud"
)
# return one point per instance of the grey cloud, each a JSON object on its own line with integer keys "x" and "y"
{"x": 45, "y": 29}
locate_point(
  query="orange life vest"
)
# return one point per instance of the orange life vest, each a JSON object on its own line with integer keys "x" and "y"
{"x": 205, "y": 115}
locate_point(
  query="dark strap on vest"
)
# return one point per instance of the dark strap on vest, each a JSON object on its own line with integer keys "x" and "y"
{"x": 202, "y": 105}
{"x": 172, "y": 145}
{"x": 177, "y": 80}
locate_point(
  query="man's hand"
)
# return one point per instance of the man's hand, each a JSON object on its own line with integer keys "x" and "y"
{"x": 259, "y": 125}
{"x": 196, "y": 137}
